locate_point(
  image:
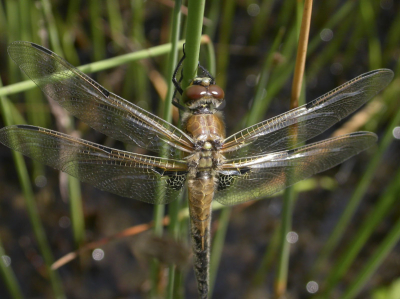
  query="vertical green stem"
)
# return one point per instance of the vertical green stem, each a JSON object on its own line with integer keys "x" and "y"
{"x": 303, "y": 23}
{"x": 137, "y": 71}
{"x": 355, "y": 199}
{"x": 261, "y": 21}
{"x": 98, "y": 46}
{"x": 213, "y": 15}
{"x": 51, "y": 25}
{"x": 373, "y": 263}
{"x": 193, "y": 36}
{"x": 268, "y": 258}
{"x": 76, "y": 210}
{"x": 218, "y": 245}
{"x": 381, "y": 209}
{"x": 167, "y": 115}
{"x": 262, "y": 82}
{"x": 361, "y": 188}
{"x": 8, "y": 276}
{"x": 228, "y": 12}
{"x": 283, "y": 259}
{"x": 32, "y": 209}
{"x": 374, "y": 47}
{"x": 74, "y": 187}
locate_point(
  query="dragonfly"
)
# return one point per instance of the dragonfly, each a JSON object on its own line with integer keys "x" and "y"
{"x": 253, "y": 163}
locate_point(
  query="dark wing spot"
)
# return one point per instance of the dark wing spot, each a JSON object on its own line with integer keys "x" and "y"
{"x": 244, "y": 170}
{"x": 357, "y": 133}
{"x": 369, "y": 73}
{"x": 290, "y": 152}
{"x": 158, "y": 170}
{"x": 104, "y": 91}
{"x": 309, "y": 105}
{"x": 106, "y": 149}
{"x": 27, "y": 127}
{"x": 47, "y": 51}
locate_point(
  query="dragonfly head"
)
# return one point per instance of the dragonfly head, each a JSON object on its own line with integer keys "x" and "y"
{"x": 203, "y": 94}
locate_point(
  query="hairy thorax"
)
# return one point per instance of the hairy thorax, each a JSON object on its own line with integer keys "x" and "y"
{"x": 208, "y": 132}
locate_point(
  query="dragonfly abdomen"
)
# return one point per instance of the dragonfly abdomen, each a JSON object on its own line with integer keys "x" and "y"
{"x": 201, "y": 193}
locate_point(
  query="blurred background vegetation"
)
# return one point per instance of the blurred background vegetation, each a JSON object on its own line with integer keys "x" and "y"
{"x": 346, "y": 221}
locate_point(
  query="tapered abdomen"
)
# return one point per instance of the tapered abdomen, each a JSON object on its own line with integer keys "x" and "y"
{"x": 201, "y": 193}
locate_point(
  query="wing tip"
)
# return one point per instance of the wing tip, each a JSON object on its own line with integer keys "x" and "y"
{"x": 383, "y": 70}
{"x": 19, "y": 43}
{"x": 386, "y": 76}
{"x": 364, "y": 133}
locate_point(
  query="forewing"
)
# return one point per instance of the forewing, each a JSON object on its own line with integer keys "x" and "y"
{"x": 308, "y": 120}
{"x": 93, "y": 104}
{"x": 149, "y": 179}
{"x": 258, "y": 177}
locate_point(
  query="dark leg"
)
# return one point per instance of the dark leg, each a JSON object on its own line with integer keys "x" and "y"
{"x": 176, "y": 82}
{"x": 178, "y": 88}
{"x": 207, "y": 73}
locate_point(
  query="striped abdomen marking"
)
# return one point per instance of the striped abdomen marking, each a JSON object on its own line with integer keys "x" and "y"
{"x": 201, "y": 193}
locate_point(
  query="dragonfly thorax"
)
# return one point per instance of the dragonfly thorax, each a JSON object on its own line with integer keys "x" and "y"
{"x": 207, "y": 146}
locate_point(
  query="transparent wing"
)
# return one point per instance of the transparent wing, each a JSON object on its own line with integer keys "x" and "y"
{"x": 145, "y": 178}
{"x": 257, "y": 177}
{"x": 308, "y": 120}
{"x": 93, "y": 104}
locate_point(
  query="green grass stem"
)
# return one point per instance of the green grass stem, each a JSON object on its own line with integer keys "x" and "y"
{"x": 218, "y": 245}
{"x": 213, "y": 15}
{"x": 33, "y": 213}
{"x": 352, "y": 205}
{"x": 52, "y": 28}
{"x": 368, "y": 15}
{"x": 284, "y": 246}
{"x": 115, "y": 19}
{"x": 335, "y": 20}
{"x": 383, "y": 250}
{"x": 268, "y": 259}
{"x": 98, "y": 66}
{"x": 260, "y": 23}
{"x": 383, "y": 207}
{"x": 263, "y": 79}
{"x": 173, "y": 227}
{"x": 194, "y": 27}
{"x": 138, "y": 70}
{"x": 96, "y": 26}
{"x": 8, "y": 276}
{"x": 74, "y": 187}
{"x": 303, "y": 24}
{"x": 228, "y": 12}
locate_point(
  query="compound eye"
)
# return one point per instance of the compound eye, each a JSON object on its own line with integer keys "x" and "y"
{"x": 216, "y": 92}
{"x": 194, "y": 92}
